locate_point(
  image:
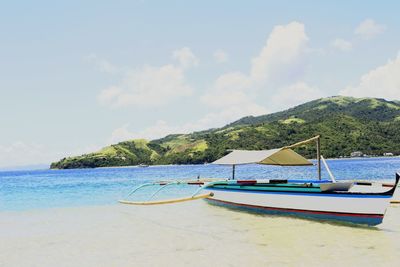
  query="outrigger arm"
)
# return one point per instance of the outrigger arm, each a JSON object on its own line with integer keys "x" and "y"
{"x": 194, "y": 196}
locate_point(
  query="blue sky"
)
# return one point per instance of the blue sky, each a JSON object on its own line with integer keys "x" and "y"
{"x": 80, "y": 75}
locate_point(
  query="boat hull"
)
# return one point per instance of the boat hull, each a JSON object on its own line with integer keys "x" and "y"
{"x": 353, "y": 208}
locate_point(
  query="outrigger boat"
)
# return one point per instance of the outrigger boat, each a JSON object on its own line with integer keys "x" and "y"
{"x": 354, "y": 202}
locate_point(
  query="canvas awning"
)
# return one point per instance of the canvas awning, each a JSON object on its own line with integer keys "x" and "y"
{"x": 279, "y": 156}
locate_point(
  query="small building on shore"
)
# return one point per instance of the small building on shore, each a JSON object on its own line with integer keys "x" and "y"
{"x": 388, "y": 154}
{"x": 356, "y": 154}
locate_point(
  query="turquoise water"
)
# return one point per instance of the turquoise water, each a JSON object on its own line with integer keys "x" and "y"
{"x": 37, "y": 189}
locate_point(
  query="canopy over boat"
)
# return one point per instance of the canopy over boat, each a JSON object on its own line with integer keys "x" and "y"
{"x": 284, "y": 156}
{"x": 279, "y": 156}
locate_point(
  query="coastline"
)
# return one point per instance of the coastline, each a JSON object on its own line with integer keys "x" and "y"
{"x": 168, "y": 165}
{"x": 193, "y": 233}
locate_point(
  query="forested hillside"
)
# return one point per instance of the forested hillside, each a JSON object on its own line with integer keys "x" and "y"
{"x": 345, "y": 124}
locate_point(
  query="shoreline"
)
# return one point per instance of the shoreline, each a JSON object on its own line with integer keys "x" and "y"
{"x": 22, "y": 168}
{"x": 169, "y": 165}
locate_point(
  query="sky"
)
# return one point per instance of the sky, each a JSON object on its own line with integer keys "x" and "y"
{"x": 76, "y": 76}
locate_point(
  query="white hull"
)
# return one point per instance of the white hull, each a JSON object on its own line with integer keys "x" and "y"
{"x": 360, "y": 209}
{"x": 308, "y": 202}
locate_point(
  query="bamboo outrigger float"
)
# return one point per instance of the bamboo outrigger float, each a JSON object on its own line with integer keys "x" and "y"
{"x": 355, "y": 202}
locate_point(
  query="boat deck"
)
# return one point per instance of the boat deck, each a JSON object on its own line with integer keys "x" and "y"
{"x": 301, "y": 186}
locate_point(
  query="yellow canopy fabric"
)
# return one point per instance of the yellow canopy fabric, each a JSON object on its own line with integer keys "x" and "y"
{"x": 279, "y": 156}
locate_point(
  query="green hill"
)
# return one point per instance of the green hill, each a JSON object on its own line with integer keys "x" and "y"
{"x": 346, "y": 124}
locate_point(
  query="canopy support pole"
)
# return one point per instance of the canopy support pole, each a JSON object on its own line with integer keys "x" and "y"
{"x": 319, "y": 157}
{"x": 233, "y": 171}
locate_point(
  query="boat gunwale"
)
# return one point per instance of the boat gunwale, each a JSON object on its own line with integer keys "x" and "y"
{"x": 242, "y": 187}
{"x": 310, "y": 193}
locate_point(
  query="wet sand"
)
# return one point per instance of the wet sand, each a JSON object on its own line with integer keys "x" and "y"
{"x": 189, "y": 234}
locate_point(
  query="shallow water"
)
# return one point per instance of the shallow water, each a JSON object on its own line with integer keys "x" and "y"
{"x": 189, "y": 234}
{"x": 24, "y": 190}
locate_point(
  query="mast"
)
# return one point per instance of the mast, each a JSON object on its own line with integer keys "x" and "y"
{"x": 233, "y": 171}
{"x": 319, "y": 156}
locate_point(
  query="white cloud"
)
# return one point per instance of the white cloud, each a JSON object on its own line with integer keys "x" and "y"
{"x": 368, "y": 29}
{"x": 231, "y": 98}
{"x": 21, "y": 153}
{"x": 107, "y": 96}
{"x": 279, "y": 64}
{"x": 159, "y": 129}
{"x": 230, "y": 114}
{"x": 296, "y": 94}
{"x": 220, "y": 56}
{"x": 102, "y": 64}
{"x": 227, "y": 115}
{"x": 281, "y": 57}
{"x": 383, "y": 82}
{"x": 342, "y": 44}
{"x": 147, "y": 87}
{"x": 274, "y": 79}
{"x": 162, "y": 128}
{"x": 228, "y": 90}
{"x": 185, "y": 57}
{"x": 121, "y": 134}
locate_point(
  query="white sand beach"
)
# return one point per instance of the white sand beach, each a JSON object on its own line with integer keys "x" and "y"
{"x": 189, "y": 234}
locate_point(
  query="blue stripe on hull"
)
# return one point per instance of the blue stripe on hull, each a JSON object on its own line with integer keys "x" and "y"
{"x": 316, "y": 194}
{"x": 363, "y": 219}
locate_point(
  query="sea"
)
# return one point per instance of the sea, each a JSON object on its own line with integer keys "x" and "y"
{"x": 43, "y": 189}
{"x": 71, "y": 218}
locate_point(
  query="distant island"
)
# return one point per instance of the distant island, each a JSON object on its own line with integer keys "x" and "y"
{"x": 346, "y": 124}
